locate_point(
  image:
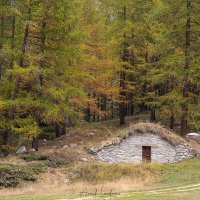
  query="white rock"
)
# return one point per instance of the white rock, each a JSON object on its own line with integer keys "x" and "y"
{"x": 32, "y": 150}
{"x": 21, "y": 150}
{"x": 90, "y": 134}
{"x": 65, "y": 146}
{"x": 66, "y": 181}
{"x": 193, "y": 135}
{"x": 84, "y": 159}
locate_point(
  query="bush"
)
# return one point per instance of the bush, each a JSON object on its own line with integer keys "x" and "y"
{"x": 51, "y": 161}
{"x": 56, "y": 162}
{"x": 37, "y": 168}
{"x": 10, "y": 175}
{"x": 35, "y": 157}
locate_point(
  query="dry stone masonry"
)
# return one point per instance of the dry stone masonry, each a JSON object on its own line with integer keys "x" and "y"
{"x": 130, "y": 149}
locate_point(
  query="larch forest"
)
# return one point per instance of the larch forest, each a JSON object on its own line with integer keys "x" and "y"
{"x": 63, "y": 61}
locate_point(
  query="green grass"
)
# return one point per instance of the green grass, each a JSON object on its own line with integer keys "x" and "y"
{"x": 182, "y": 173}
{"x": 173, "y": 195}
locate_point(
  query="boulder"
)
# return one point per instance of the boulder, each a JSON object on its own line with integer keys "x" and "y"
{"x": 193, "y": 135}
{"x": 32, "y": 150}
{"x": 84, "y": 159}
{"x": 90, "y": 134}
{"x": 21, "y": 150}
{"x": 90, "y": 150}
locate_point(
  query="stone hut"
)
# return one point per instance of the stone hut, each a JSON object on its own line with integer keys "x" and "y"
{"x": 145, "y": 141}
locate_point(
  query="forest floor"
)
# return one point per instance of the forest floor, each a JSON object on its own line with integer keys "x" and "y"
{"x": 79, "y": 180}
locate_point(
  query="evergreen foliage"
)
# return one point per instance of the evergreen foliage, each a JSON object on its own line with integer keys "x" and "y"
{"x": 63, "y": 61}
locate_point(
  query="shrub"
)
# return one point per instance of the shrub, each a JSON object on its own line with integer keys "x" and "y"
{"x": 51, "y": 161}
{"x": 10, "y": 175}
{"x": 37, "y": 168}
{"x": 35, "y": 157}
{"x": 56, "y": 162}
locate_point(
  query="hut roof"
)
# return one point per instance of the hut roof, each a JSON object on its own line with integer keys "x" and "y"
{"x": 156, "y": 129}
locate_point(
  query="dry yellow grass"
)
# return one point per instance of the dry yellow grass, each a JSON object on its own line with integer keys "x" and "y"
{"x": 54, "y": 185}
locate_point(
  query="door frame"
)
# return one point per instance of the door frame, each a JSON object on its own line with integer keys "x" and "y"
{"x": 146, "y": 153}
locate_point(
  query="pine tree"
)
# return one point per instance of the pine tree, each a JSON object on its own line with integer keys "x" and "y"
{"x": 97, "y": 65}
{"x": 42, "y": 51}
{"x": 178, "y": 32}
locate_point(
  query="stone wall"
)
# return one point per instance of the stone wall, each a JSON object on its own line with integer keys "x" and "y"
{"x": 130, "y": 150}
{"x": 183, "y": 151}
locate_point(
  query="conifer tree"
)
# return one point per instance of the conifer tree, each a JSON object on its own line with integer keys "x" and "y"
{"x": 98, "y": 61}
{"x": 42, "y": 51}
{"x": 128, "y": 39}
{"x": 178, "y": 32}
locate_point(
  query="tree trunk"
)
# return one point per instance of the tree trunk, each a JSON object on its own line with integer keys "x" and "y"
{"x": 25, "y": 40}
{"x": 69, "y": 122}
{"x": 1, "y": 43}
{"x": 88, "y": 114}
{"x": 122, "y": 113}
{"x": 94, "y": 117}
{"x": 98, "y": 106}
{"x": 112, "y": 108}
{"x": 122, "y": 105}
{"x": 186, "y": 82}
{"x": 104, "y": 104}
{"x": 63, "y": 129}
{"x": 60, "y": 129}
{"x": 94, "y": 114}
{"x": 153, "y": 115}
{"x": 57, "y": 129}
{"x": 130, "y": 108}
{"x": 12, "y": 41}
{"x": 171, "y": 121}
{"x": 7, "y": 135}
{"x": 35, "y": 143}
{"x": 1, "y": 66}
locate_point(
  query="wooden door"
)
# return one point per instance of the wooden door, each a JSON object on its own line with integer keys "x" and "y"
{"x": 146, "y": 153}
